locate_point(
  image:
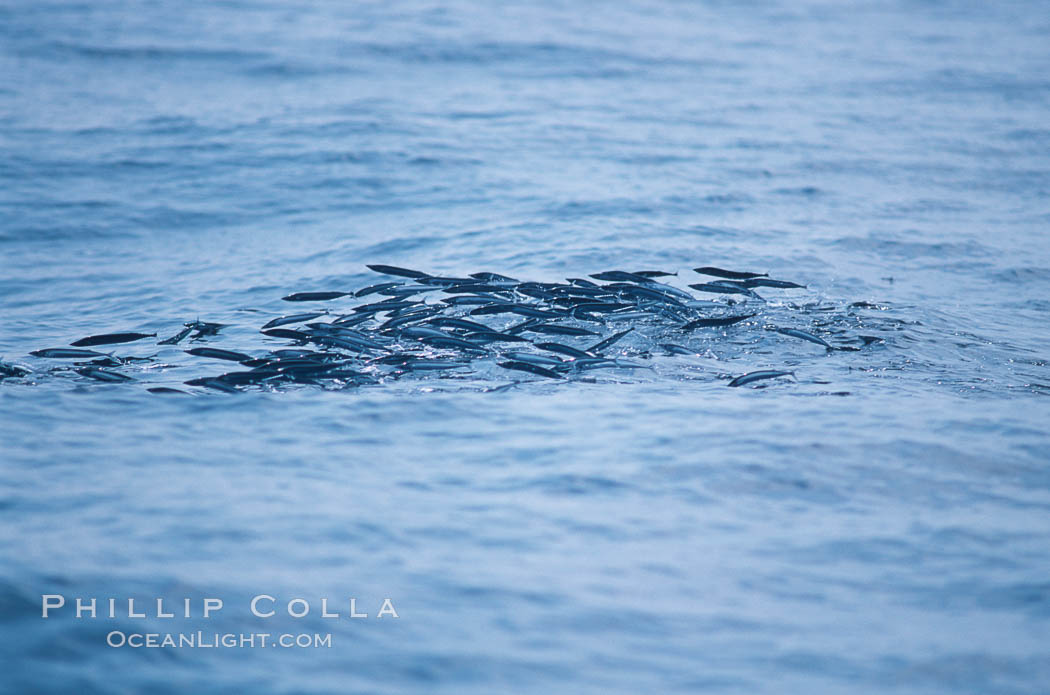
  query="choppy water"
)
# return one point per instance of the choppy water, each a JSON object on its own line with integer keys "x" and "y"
{"x": 644, "y": 530}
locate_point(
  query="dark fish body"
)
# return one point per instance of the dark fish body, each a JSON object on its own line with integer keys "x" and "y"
{"x": 177, "y": 338}
{"x": 489, "y": 309}
{"x": 767, "y": 282}
{"x": 619, "y": 276}
{"x": 717, "y": 288}
{"x": 205, "y": 328}
{"x": 111, "y": 339}
{"x": 673, "y": 349}
{"x": 348, "y": 342}
{"x": 653, "y": 273}
{"x": 295, "y": 318}
{"x": 213, "y": 383}
{"x": 530, "y": 368}
{"x": 406, "y": 290}
{"x": 103, "y": 374}
{"x": 438, "y": 281}
{"x": 217, "y": 354}
{"x": 423, "y": 332}
{"x": 411, "y": 317}
{"x": 564, "y": 350}
{"x": 600, "y": 307}
{"x": 729, "y": 274}
{"x": 599, "y": 346}
{"x": 107, "y": 361}
{"x": 462, "y": 324}
{"x": 455, "y": 344}
{"x": 803, "y": 335}
{"x": 552, "y": 329}
{"x": 534, "y": 292}
{"x": 523, "y": 326}
{"x": 286, "y": 333}
{"x": 400, "y": 272}
{"x": 472, "y": 300}
{"x": 314, "y": 296}
{"x": 581, "y": 291}
{"x": 472, "y": 288}
{"x": 351, "y": 319}
{"x": 497, "y": 337}
{"x": 714, "y": 322}
{"x": 533, "y": 312}
{"x": 429, "y": 365}
{"x": 542, "y": 360}
{"x": 750, "y": 377}
{"x": 643, "y": 292}
{"x": 372, "y": 289}
{"x": 166, "y": 390}
{"x": 387, "y": 305}
{"x": 66, "y": 353}
{"x": 583, "y": 283}
{"x": 493, "y": 277}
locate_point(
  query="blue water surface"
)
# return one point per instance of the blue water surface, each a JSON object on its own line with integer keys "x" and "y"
{"x": 880, "y": 523}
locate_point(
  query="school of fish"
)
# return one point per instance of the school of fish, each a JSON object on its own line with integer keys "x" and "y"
{"x": 415, "y": 323}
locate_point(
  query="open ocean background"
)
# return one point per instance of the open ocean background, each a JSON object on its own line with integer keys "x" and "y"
{"x": 882, "y": 524}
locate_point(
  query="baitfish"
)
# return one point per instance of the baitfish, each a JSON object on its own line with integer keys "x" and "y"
{"x": 619, "y": 276}
{"x": 66, "y": 353}
{"x": 532, "y": 312}
{"x": 585, "y": 304}
{"x": 474, "y": 300}
{"x": 111, "y": 339}
{"x": 462, "y": 324}
{"x": 796, "y": 333}
{"x": 455, "y": 344}
{"x": 533, "y": 359}
{"x": 534, "y": 292}
{"x": 287, "y": 333}
{"x": 430, "y": 365}
{"x": 531, "y": 368}
{"x": 653, "y": 273}
{"x": 721, "y": 321}
{"x": 177, "y": 338}
{"x": 730, "y": 274}
{"x": 204, "y": 328}
{"x": 294, "y": 318}
{"x": 552, "y": 329}
{"x": 750, "y": 377}
{"x": 599, "y": 346}
{"x": 394, "y": 270}
{"x": 564, "y": 350}
{"x": 446, "y": 282}
{"x": 423, "y": 332}
{"x": 103, "y": 374}
{"x": 314, "y": 296}
{"x": 492, "y": 277}
{"x": 385, "y": 305}
{"x": 351, "y": 319}
{"x": 372, "y": 289}
{"x": 767, "y": 282}
{"x": 213, "y": 383}
{"x": 720, "y": 288}
{"x": 673, "y": 349}
{"x": 165, "y": 389}
{"x": 407, "y": 290}
{"x": 490, "y": 308}
{"x": 217, "y": 354}
{"x": 496, "y": 337}
{"x": 410, "y": 317}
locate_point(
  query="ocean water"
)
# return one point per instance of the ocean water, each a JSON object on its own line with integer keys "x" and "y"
{"x": 878, "y": 523}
